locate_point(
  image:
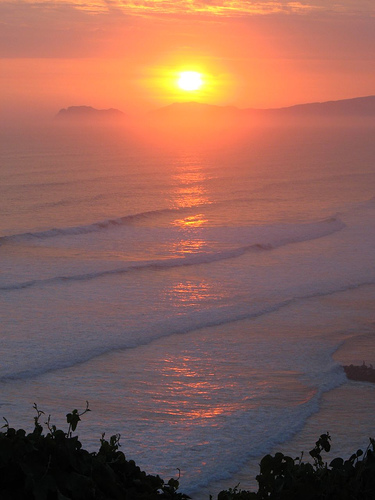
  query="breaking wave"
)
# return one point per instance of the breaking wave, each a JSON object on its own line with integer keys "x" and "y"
{"x": 278, "y": 236}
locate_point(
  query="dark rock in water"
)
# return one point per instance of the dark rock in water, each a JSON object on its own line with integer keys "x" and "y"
{"x": 362, "y": 373}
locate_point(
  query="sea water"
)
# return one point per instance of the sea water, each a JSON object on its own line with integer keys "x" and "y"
{"x": 201, "y": 297}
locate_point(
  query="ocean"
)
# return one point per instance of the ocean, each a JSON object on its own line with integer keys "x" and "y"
{"x": 201, "y": 296}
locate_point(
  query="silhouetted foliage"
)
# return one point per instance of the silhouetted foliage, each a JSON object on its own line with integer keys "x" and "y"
{"x": 55, "y": 467}
{"x": 285, "y": 478}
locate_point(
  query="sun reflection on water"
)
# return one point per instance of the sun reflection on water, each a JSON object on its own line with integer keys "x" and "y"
{"x": 192, "y": 221}
{"x": 191, "y": 192}
{"x": 188, "y": 247}
{"x": 191, "y": 195}
{"x": 189, "y": 293}
{"x": 194, "y": 390}
{"x": 204, "y": 389}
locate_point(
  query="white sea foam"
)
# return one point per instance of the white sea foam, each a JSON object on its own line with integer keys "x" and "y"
{"x": 241, "y": 240}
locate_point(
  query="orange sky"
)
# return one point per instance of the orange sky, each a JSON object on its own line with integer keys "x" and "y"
{"x": 127, "y": 54}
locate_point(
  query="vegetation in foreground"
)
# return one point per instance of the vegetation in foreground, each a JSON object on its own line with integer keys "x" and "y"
{"x": 53, "y": 466}
{"x": 284, "y": 478}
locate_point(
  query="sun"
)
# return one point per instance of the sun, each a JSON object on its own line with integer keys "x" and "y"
{"x": 190, "y": 80}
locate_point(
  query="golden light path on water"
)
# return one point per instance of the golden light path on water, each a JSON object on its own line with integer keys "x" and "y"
{"x": 190, "y": 192}
{"x": 194, "y": 389}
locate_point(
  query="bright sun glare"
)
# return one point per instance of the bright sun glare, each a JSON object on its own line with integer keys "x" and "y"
{"x": 190, "y": 80}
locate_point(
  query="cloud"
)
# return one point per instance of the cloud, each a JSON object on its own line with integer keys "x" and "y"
{"x": 210, "y": 7}
{"x": 95, "y": 28}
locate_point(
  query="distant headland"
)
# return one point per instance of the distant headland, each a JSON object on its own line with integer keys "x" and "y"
{"x": 89, "y": 114}
{"x": 355, "y": 107}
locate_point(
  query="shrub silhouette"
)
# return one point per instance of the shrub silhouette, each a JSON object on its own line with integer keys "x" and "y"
{"x": 54, "y": 466}
{"x": 284, "y": 478}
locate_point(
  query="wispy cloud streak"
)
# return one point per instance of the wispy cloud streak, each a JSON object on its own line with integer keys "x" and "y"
{"x": 212, "y": 7}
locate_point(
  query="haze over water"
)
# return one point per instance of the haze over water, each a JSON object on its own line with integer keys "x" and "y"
{"x": 201, "y": 296}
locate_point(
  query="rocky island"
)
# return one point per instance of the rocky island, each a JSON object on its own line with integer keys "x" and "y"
{"x": 361, "y": 373}
{"x": 89, "y": 114}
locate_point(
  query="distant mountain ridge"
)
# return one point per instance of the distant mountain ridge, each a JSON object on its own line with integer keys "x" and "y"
{"x": 357, "y": 106}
